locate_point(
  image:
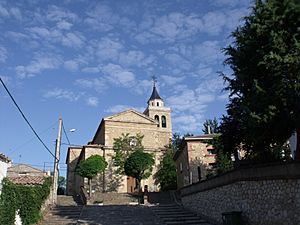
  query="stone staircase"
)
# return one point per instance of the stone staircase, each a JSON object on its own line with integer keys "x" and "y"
{"x": 173, "y": 214}
{"x": 66, "y": 212}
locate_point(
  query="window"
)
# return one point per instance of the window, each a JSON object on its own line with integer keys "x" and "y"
{"x": 157, "y": 103}
{"x": 163, "y": 121}
{"x": 156, "y": 117}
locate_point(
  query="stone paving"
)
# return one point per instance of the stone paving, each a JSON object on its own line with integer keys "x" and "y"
{"x": 138, "y": 215}
{"x": 118, "y": 215}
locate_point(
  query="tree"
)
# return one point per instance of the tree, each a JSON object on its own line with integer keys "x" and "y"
{"x": 123, "y": 147}
{"x": 90, "y": 167}
{"x": 264, "y": 107}
{"x": 139, "y": 166}
{"x": 210, "y": 126}
{"x": 166, "y": 175}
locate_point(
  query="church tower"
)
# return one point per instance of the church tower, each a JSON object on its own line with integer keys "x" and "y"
{"x": 156, "y": 110}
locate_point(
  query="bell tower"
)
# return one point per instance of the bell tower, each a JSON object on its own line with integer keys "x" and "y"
{"x": 156, "y": 110}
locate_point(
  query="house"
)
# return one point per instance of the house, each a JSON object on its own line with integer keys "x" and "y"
{"x": 195, "y": 161}
{"x": 24, "y": 170}
{"x": 4, "y": 164}
{"x": 154, "y": 124}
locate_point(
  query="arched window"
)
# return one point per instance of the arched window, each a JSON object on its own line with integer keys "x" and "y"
{"x": 157, "y": 103}
{"x": 163, "y": 121}
{"x": 156, "y": 117}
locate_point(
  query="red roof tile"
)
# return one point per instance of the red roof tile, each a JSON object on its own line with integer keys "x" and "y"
{"x": 27, "y": 180}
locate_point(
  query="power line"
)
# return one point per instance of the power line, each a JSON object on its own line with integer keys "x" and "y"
{"x": 66, "y": 134}
{"x": 24, "y": 117}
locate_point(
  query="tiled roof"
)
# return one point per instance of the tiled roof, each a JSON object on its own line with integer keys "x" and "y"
{"x": 154, "y": 95}
{"x": 27, "y": 180}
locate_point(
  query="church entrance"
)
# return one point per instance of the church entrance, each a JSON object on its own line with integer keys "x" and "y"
{"x": 131, "y": 184}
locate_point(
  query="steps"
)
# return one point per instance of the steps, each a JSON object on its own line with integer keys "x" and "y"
{"x": 172, "y": 214}
{"x": 66, "y": 212}
{"x": 111, "y": 198}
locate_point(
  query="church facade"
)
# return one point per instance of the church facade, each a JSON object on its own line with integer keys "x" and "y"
{"x": 154, "y": 124}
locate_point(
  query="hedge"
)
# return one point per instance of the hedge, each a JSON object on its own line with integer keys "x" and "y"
{"x": 27, "y": 199}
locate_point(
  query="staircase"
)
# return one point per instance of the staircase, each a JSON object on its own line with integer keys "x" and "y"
{"x": 172, "y": 214}
{"x": 66, "y": 212}
{"x": 111, "y": 198}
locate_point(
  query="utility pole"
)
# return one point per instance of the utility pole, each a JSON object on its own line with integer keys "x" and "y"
{"x": 56, "y": 162}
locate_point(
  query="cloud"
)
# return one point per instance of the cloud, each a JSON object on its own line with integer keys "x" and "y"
{"x": 55, "y": 13}
{"x": 71, "y": 65}
{"x": 107, "y": 49}
{"x": 232, "y": 3}
{"x": 171, "y": 80}
{"x": 101, "y": 18}
{"x": 208, "y": 52}
{"x": 6, "y": 79}
{"x": 64, "y": 25}
{"x": 97, "y": 84}
{"x": 92, "y": 101}
{"x": 72, "y": 40}
{"x": 37, "y": 65}
{"x": 214, "y": 22}
{"x": 58, "y": 93}
{"x": 118, "y": 75}
{"x": 3, "y": 54}
{"x": 3, "y": 12}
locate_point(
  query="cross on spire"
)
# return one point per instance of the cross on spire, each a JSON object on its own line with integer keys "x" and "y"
{"x": 154, "y": 80}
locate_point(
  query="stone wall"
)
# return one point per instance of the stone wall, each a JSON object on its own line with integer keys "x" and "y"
{"x": 266, "y": 195}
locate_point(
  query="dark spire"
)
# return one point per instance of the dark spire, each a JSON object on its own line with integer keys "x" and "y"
{"x": 154, "y": 94}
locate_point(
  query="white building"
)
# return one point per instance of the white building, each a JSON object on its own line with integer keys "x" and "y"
{"x": 4, "y": 164}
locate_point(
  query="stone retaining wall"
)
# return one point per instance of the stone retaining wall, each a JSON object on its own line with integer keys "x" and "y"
{"x": 266, "y": 195}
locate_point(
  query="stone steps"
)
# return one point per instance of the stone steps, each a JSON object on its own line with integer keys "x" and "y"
{"x": 173, "y": 214}
{"x": 66, "y": 212}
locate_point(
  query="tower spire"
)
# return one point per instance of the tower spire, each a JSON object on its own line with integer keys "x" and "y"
{"x": 154, "y": 94}
{"x": 154, "y": 80}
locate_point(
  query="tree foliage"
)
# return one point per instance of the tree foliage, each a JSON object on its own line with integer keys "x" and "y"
{"x": 123, "y": 147}
{"x": 90, "y": 167}
{"x": 139, "y": 165}
{"x": 166, "y": 175}
{"x": 264, "y": 107}
{"x": 210, "y": 126}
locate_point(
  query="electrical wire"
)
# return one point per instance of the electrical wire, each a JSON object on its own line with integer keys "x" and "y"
{"x": 26, "y": 120}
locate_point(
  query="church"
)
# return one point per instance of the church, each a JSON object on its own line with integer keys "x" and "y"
{"x": 154, "y": 124}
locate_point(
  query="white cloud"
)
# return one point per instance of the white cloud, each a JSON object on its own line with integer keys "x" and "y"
{"x": 6, "y": 79}
{"x": 72, "y": 40}
{"x": 3, "y": 54}
{"x": 64, "y": 25}
{"x": 71, "y": 65}
{"x": 91, "y": 70}
{"x": 107, "y": 49}
{"x": 92, "y": 101}
{"x": 171, "y": 80}
{"x": 3, "y": 12}
{"x": 214, "y": 22}
{"x": 118, "y": 75}
{"x": 208, "y": 52}
{"x": 101, "y": 18}
{"x": 16, "y": 13}
{"x": 55, "y": 13}
{"x": 232, "y": 3}
{"x": 58, "y": 93}
{"x": 97, "y": 84}
{"x": 39, "y": 64}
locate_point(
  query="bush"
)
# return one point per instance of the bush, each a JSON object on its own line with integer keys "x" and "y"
{"x": 27, "y": 199}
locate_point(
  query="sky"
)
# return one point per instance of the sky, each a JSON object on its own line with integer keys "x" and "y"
{"x": 85, "y": 59}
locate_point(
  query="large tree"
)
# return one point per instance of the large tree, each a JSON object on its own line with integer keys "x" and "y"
{"x": 139, "y": 166}
{"x": 166, "y": 175}
{"x": 90, "y": 167}
{"x": 210, "y": 126}
{"x": 264, "y": 108}
{"x": 123, "y": 147}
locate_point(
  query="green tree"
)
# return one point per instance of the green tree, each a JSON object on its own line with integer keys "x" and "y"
{"x": 264, "y": 107}
{"x": 123, "y": 147}
{"x": 166, "y": 175}
{"x": 210, "y": 126}
{"x": 139, "y": 165}
{"x": 90, "y": 167}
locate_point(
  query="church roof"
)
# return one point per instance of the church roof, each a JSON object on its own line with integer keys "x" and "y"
{"x": 154, "y": 94}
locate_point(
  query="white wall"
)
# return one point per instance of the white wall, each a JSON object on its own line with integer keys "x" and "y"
{"x": 293, "y": 144}
{"x": 3, "y": 171}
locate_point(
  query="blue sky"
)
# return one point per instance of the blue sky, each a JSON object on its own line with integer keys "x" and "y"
{"x": 85, "y": 59}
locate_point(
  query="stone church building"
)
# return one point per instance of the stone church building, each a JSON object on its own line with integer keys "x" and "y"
{"x": 154, "y": 124}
